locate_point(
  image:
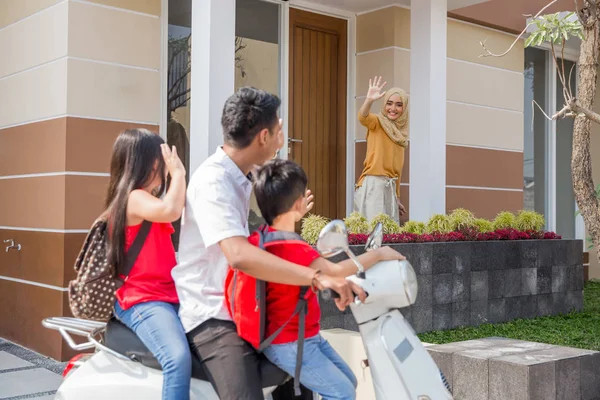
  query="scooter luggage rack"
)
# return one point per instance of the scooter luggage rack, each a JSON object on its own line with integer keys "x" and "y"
{"x": 81, "y": 327}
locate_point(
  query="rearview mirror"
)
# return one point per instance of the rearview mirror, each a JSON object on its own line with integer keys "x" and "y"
{"x": 333, "y": 240}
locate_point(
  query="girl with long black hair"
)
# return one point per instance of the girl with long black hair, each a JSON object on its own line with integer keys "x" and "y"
{"x": 147, "y": 302}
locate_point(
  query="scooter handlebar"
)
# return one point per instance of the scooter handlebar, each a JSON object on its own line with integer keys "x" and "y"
{"x": 328, "y": 294}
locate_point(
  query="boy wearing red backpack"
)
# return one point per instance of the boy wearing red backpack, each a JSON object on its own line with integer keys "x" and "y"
{"x": 289, "y": 335}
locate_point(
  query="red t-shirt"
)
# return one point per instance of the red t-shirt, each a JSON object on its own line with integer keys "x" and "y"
{"x": 282, "y": 299}
{"x": 150, "y": 277}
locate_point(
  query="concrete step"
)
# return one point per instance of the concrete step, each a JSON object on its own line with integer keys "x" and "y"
{"x": 500, "y": 369}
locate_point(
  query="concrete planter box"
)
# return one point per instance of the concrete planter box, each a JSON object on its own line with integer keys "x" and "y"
{"x": 470, "y": 283}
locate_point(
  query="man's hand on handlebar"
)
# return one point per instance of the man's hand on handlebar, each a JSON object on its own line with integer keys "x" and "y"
{"x": 346, "y": 289}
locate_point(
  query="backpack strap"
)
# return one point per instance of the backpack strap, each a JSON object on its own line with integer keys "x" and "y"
{"x": 266, "y": 238}
{"x": 136, "y": 247}
{"x": 261, "y": 288}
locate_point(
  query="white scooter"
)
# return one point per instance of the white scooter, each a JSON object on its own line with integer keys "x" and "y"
{"x": 122, "y": 368}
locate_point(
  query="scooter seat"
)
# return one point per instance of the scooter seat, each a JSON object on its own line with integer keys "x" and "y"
{"x": 124, "y": 341}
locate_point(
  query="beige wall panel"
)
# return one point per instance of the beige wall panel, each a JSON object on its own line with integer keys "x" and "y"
{"x": 113, "y": 92}
{"x": 383, "y": 28}
{"x": 84, "y": 200}
{"x": 392, "y": 64}
{"x": 470, "y": 125}
{"x": 477, "y": 84}
{"x": 143, "y": 6}
{"x": 464, "y": 44}
{"x": 33, "y": 202}
{"x": 485, "y": 127}
{"x": 111, "y": 35}
{"x": 370, "y": 64}
{"x": 34, "y": 41}
{"x": 33, "y": 148}
{"x": 34, "y": 95}
{"x": 16, "y": 10}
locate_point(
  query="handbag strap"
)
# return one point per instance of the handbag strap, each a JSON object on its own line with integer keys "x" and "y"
{"x": 136, "y": 247}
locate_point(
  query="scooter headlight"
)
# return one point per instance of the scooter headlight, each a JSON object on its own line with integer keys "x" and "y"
{"x": 410, "y": 281}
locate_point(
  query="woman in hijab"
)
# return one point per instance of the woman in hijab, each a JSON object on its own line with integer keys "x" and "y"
{"x": 378, "y": 188}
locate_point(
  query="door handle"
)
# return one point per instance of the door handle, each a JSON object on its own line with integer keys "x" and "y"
{"x": 292, "y": 140}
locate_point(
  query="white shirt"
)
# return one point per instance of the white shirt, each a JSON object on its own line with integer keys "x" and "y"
{"x": 216, "y": 208}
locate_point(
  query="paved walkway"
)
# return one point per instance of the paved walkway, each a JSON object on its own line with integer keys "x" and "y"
{"x": 25, "y": 374}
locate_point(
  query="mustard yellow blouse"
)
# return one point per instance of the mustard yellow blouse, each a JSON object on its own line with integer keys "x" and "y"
{"x": 384, "y": 156}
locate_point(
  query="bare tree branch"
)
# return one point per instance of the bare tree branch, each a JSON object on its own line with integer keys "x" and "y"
{"x": 562, "y": 113}
{"x": 489, "y": 53}
{"x": 177, "y": 83}
{"x": 570, "y": 76}
{"x": 178, "y": 95}
{"x": 591, "y": 115}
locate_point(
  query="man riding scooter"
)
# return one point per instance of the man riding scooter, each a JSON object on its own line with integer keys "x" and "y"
{"x": 213, "y": 236}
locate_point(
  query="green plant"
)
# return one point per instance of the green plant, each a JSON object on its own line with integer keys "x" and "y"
{"x": 483, "y": 225}
{"x": 461, "y": 219}
{"x": 389, "y": 225}
{"x": 438, "y": 223}
{"x": 357, "y": 223}
{"x": 504, "y": 220}
{"x": 529, "y": 221}
{"x": 312, "y": 226}
{"x": 414, "y": 227}
{"x": 555, "y": 29}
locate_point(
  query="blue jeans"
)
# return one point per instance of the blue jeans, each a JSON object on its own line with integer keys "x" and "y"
{"x": 323, "y": 370}
{"x": 157, "y": 325}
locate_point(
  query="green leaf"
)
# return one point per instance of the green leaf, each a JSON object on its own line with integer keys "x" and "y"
{"x": 540, "y": 40}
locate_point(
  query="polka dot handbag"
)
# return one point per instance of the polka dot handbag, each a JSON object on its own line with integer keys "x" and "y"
{"x": 92, "y": 292}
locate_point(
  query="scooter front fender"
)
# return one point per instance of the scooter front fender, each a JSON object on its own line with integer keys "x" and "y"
{"x": 401, "y": 367}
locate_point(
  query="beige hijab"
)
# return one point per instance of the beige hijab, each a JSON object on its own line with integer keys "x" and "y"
{"x": 396, "y": 130}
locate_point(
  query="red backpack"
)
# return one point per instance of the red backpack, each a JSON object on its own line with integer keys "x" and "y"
{"x": 245, "y": 297}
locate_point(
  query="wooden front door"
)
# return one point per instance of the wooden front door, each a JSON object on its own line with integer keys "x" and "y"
{"x": 317, "y": 131}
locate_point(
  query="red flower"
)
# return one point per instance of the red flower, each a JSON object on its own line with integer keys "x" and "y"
{"x": 468, "y": 234}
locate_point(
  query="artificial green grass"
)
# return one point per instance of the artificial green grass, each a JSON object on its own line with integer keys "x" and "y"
{"x": 581, "y": 330}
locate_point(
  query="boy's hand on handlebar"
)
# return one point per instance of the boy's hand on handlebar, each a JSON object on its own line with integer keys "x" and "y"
{"x": 346, "y": 289}
{"x": 386, "y": 253}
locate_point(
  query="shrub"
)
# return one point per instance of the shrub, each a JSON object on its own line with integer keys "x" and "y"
{"x": 389, "y": 225}
{"x": 504, "y": 220}
{"x": 357, "y": 223}
{"x": 529, "y": 221}
{"x": 439, "y": 223}
{"x": 414, "y": 227}
{"x": 461, "y": 219}
{"x": 312, "y": 227}
{"x": 483, "y": 225}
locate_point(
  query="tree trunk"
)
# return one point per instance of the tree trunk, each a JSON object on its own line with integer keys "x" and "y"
{"x": 581, "y": 163}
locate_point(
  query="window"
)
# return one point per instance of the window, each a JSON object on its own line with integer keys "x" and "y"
{"x": 257, "y": 50}
{"x": 534, "y": 147}
{"x": 257, "y": 58}
{"x": 547, "y": 147}
{"x": 178, "y": 85}
{"x": 565, "y": 197}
